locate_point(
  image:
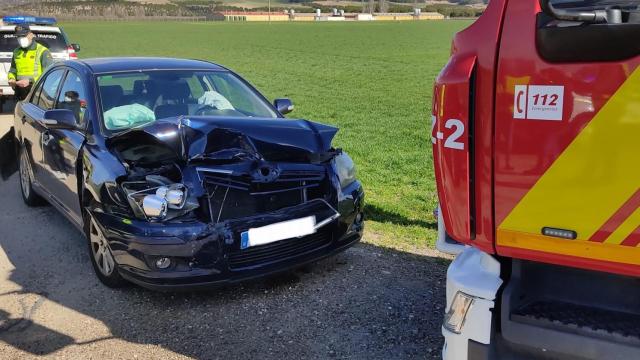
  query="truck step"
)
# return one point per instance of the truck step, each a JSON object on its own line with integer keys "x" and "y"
{"x": 596, "y": 322}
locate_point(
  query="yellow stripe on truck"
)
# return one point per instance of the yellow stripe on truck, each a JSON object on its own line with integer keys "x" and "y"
{"x": 583, "y": 249}
{"x": 586, "y": 185}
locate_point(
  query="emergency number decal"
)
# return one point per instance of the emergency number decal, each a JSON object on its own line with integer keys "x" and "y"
{"x": 536, "y": 102}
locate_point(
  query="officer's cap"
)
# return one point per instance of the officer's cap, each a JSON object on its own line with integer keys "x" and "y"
{"x": 22, "y": 30}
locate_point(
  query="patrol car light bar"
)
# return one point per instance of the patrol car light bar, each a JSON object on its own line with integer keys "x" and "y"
{"x": 33, "y": 20}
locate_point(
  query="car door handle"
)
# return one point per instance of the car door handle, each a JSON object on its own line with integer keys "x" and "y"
{"x": 46, "y": 138}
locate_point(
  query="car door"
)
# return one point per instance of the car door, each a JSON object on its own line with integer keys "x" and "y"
{"x": 31, "y": 126}
{"x": 61, "y": 147}
{"x": 567, "y": 106}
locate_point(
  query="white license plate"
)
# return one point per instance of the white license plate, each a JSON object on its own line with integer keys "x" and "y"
{"x": 278, "y": 231}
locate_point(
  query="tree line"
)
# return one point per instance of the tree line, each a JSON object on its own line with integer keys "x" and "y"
{"x": 208, "y": 9}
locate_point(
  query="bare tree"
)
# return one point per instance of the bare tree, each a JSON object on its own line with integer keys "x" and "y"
{"x": 372, "y": 6}
{"x": 139, "y": 11}
{"x": 383, "y": 6}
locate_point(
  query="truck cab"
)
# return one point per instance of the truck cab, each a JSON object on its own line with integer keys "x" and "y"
{"x": 535, "y": 126}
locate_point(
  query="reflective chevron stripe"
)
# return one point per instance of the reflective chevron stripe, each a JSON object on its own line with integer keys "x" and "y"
{"x": 617, "y": 218}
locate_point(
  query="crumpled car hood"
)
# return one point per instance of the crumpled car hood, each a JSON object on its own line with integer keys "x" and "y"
{"x": 224, "y": 139}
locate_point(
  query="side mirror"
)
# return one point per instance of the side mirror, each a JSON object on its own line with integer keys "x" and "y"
{"x": 76, "y": 47}
{"x": 59, "y": 119}
{"x": 284, "y": 106}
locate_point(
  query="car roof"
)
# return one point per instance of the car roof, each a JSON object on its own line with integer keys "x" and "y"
{"x": 125, "y": 64}
{"x": 38, "y": 28}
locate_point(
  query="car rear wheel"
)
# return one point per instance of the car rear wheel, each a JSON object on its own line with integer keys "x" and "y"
{"x": 26, "y": 185}
{"x": 102, "y": 259}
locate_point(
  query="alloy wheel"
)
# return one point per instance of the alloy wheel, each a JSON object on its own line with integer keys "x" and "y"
{"x": 25, "y": 176}
{"x": 100, "y": 250}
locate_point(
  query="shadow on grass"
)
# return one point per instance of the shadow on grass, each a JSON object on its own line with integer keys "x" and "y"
{"x": 376, "y": 213}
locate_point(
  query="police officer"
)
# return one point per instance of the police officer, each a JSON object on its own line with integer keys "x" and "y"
{"x": 29, "y": 61}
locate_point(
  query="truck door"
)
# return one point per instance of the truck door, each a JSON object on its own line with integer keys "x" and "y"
{"x": 462, "y": 131}
{"x": 567, "y": 138}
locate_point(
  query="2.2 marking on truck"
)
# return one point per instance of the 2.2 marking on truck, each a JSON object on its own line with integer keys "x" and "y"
{"x": 451, "y": 141}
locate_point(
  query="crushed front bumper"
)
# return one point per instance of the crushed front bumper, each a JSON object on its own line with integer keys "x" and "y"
{"x": 208, "y": 255}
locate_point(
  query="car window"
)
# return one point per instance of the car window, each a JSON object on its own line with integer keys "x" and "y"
{"x": 8, "y": 41}
{"x": 49, "y": 89}
{"x": 129, "y": 83}
{"x": 595, "y": 4}
{"x": 233, "y": 89}
{"x": 137, "y": 98}
{"x": 598, "y": 2}
{"x": 35, "y": 98}
{"x": 196, "y": 86}
{"x": 73, "y": 96}
{"x": 55, "y": 42}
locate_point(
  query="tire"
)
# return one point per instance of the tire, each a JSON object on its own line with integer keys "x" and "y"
{"x": 26, "y": 183}
{"x": 102, "y": 259}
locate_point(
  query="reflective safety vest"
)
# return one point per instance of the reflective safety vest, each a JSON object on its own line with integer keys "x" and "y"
{"x": 28, "y": 63}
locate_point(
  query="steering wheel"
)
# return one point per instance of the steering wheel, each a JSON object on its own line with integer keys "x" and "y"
{"x": 205, "y": 110}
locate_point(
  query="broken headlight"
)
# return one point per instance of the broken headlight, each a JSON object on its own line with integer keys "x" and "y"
{"x": 158, "y": 199}
{"x": 345, "y": 168}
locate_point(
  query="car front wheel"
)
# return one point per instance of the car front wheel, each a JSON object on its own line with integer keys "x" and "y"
{"x": 102, "y": 259}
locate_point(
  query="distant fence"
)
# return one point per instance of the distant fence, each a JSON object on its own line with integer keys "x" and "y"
{"x": 139, "y": 18}
{"x": 255, "y": 16}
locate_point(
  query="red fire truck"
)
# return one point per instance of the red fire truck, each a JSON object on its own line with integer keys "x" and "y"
{"x": 536, "y": 125}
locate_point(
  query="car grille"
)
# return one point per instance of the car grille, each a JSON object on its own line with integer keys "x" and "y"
{"x": 233, "y": 197}
{"x": 278, "y": 251}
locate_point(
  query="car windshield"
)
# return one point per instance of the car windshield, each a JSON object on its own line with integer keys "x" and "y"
{"x": 55, "y": 42}
{"x": 137, "y": 98}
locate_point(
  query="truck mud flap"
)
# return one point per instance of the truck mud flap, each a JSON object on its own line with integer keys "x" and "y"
{"x": 8, "y": 155}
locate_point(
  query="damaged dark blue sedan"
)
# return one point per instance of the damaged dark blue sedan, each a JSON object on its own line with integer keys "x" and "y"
{"x": 180, "y": 173}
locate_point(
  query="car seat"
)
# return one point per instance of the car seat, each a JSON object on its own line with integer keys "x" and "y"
{"x": 111, "y": 96}
{"x": 175, "y": 93}
{"x": 145, "y": 92}
{"x": 173, "y": 100}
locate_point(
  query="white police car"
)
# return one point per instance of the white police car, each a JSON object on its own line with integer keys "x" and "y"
{"x": 46, "y": 33}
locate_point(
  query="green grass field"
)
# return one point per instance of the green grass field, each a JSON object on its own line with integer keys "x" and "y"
{"x": 373, "y": 80}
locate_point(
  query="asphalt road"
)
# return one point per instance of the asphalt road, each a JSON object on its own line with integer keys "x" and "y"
{"x": 367, "y": 303}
